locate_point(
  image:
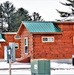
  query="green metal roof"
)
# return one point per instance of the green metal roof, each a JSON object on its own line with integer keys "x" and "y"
{"x": 41, "y": 26}
{"x": 2, "y": 38}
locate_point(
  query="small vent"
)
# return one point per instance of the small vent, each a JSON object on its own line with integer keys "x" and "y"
{"x": 17, "y": 37}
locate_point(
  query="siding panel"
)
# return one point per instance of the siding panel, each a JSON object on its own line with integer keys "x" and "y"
{"x": 61, "y": 48}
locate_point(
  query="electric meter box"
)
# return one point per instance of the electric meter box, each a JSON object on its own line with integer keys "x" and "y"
{"x": 40, "y": 67}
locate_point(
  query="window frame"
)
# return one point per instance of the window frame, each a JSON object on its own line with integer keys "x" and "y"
{"x": 16, "y": 38}
{"x": 48, "y": 37}
{"x": 18, "y": 45}
{"x": 25, "y": 45}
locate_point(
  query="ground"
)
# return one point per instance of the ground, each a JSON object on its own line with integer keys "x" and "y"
{"x": 25, "y": 68}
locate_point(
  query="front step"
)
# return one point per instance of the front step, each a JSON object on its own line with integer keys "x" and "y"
{"x": 24, "y": 60}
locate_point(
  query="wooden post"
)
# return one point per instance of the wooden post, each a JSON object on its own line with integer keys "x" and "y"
{"x": 9, "y": 66}
{"x": 73, "y": 40}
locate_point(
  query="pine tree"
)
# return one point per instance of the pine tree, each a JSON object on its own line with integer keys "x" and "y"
{"x": 7, "y": 12}
{"x": 66, "y": 15}
{"x": 20, "y": 15}
{"x": 36, "y": 17}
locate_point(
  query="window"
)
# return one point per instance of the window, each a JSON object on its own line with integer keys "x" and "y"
{"x": 26, "y": 49}
{"x": 47, "y": 39}
{"x": 17, "y": 37}
{"x": 26, "y": 45}
{"x": 16, "y": 45}
{"x": 26, "y": 41}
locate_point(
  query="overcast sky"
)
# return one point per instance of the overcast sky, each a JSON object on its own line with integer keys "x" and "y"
{"x": 46, "y": 8}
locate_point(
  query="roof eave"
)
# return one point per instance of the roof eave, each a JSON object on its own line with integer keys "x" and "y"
{"x": 46, "y": 32}
{"x": 64, "y": 22}
{"x": 2, "y": 38}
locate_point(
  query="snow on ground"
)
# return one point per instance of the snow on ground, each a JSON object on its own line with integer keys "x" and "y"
{"x": 16, "y": 72}
{"x": 61, "y": 65}
{"x": 67, "y": 69}
{"x": 62, "y": 69}
{"x": 15, "y": 65}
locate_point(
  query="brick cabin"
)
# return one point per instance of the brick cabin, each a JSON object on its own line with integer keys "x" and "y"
{"x": 48, "y": 40}
{"x": 9, "y": 37}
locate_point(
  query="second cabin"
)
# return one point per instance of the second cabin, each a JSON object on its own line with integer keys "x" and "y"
{"x": 48, "y": 40}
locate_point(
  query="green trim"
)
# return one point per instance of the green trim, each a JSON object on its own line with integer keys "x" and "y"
{"x": 2, "y": 38}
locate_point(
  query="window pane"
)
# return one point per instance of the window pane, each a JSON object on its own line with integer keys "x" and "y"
{"x": 26, "y": 42}
{"x": 17, "y": 36}
{"x": 16, "y": 45}
{"x": 26, "y": 49}
{"x": 45, "y": 39}
{"x": 50, "y": 39}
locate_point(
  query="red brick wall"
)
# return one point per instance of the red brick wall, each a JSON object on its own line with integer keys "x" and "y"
{"x": 9, "y": 38}
{"x": 62, "y": 47}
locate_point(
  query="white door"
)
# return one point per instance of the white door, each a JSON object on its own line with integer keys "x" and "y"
{"x": 5, "y": 52}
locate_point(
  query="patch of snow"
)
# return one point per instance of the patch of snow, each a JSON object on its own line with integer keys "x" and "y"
{"x": 2, "y": 40}
{"x": 63, "y": 68}
{"x": 20, "y": 72}
{"x": 15, "y": 65}
{"x": 61, "y": 65}
{"x": 54, "y": 65}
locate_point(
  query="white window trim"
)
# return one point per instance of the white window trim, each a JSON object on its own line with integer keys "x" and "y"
{"x": 25, "y": 45}
{"x": 27, "y": 39}
{"x": 18, "y": 45}
{"x": 48, "y": 38}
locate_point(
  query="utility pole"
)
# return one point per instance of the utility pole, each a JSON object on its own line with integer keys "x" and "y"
{"x": 9, "y": 66}
{"x": 10, "y": 54}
